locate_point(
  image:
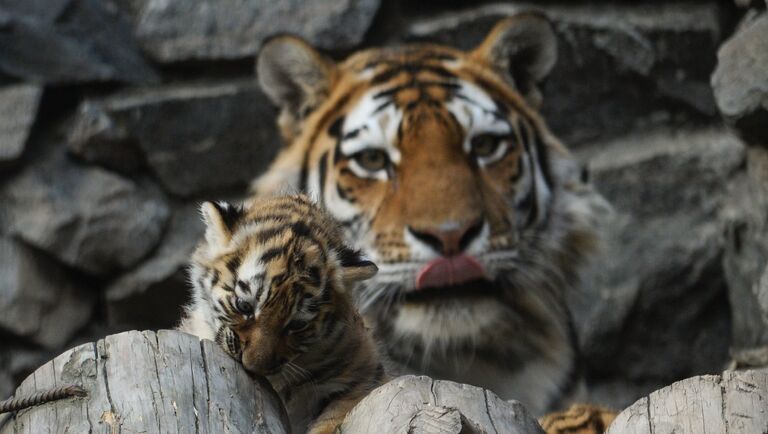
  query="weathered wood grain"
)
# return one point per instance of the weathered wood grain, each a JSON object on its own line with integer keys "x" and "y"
{"x": 412, "y": 404}
{"x": 147, "y": 382}
{"x": 734, "y": 403}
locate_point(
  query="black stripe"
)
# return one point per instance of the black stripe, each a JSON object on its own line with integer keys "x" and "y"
{"x": 301, "y": 229}
{"x": 411, "y": 68}
{"x": 233, "y": 263}
{"x": 382, "y": 106}
{"x": 349, "y": 257}
{"x": 244, "y": 286}
{"x": 277, "y": 217}
{"x": 323, "y": 169}
{"x": 337, "y": 154}
{"x": 389, "y": 93}
{"x": 267, "y": 234}
{"x": 304, "y": 173}
{"x": 272, "y": 253}
{"x": 532, "y": 195}
{"x": 343, "y": 194}
{"x": 352, "y": 134}
{"x": 259, "y": 291}
{"x": 279, "y": 279}
{"x": 335, "y": 129}
{"x": 313, "y": 275}
{"x": 325, "y": 295}
{"x": 543, "y": 154}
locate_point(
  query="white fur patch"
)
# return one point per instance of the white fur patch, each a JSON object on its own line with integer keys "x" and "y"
{"x": 448, "y": 322}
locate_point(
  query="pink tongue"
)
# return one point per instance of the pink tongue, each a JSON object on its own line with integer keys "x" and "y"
{"x": 449, "y": 271}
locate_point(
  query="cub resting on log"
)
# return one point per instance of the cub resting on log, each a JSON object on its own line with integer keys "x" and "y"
{"x": 271, "y": 283}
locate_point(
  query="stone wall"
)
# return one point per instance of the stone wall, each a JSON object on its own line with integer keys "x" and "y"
{"x": 118, "y": 116}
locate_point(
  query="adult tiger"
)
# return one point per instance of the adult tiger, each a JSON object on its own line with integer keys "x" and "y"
{"x": 441, "y": 170}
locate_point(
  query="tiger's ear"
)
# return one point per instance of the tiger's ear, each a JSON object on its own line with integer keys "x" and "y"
{"x": 220, "y": 219}
{"x": 355, "y": 267}
{"x": 296, "y": 77}
{"x": 523, "y": 49}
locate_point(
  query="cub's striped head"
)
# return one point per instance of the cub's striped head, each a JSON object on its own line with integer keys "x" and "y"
{"x": 272, "y": 273}
{"x": 440, "y": 169}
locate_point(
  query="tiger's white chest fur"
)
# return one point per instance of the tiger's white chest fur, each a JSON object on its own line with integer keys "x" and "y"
{"x": 537, "y": 381}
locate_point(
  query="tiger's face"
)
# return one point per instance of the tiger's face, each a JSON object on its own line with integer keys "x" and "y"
{"x": 441, "y": 170}
{"x": 276, "y": 272}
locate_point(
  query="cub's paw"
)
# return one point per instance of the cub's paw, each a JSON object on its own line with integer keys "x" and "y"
{"x": 579, "y": 419}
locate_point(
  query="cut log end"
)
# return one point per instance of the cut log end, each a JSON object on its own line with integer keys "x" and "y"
{"x": 149, "y": 382}
{"x": 734, "y": 402}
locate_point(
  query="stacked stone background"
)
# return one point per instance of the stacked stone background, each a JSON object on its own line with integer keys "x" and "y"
{"x": 117, "y": 117}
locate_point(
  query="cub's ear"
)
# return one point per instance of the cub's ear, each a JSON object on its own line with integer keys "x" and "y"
{"x": 220, "y": 219}
{"x": 296, "y": 77}
{"x": 523, "y": 49}
{"x": 355, "y": 267}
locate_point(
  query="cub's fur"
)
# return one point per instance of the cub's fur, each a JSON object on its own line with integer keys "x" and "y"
{"x": 271, "y": 287}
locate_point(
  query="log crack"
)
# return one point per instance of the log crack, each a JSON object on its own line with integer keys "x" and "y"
{"x": 488, "y": 412}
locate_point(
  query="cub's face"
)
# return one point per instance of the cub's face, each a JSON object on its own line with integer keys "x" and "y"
{"x": 275, "y": 272}
{"x": 437, "y": 165}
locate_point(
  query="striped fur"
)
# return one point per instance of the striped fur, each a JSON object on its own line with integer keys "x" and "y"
{"x": 402, "y": 143}
{"x": 270, "y": 286}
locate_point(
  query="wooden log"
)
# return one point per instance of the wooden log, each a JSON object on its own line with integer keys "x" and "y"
{"x": 147, "y": 382}
{"x": 412, "y": 404}
{"x": 735, "y": 402}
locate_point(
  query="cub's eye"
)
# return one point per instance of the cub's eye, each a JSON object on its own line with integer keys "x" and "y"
{"x": 296, "y": 325}
{"x": 372, "y": 159}
{"x": 243, "y": 306}
{"x": 486, "y": 145}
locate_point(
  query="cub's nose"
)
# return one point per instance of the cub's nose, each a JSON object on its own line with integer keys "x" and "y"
{"x": 448, "y": 239}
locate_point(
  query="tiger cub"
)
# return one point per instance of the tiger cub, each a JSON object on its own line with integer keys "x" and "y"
{"x": 271, "y": 286}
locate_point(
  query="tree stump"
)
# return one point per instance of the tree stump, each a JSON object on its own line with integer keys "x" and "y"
{"x": 736, "y": 402}
{"x": 421, "y": 405}
{"x": 147, "y": 382}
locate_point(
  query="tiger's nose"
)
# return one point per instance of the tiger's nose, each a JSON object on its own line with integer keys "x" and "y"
{"x": 449, "y": 239}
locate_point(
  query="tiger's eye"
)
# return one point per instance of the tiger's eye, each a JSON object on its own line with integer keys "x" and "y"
{"x": 372, "y": 159}
{"x": 243, "y": 306}
{"x": 485, "y": 145}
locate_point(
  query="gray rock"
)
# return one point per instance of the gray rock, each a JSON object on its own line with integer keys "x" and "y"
{"x": 67, "y": 41}
{"x": 195, "y": 138}
{"x": 151, "y": 296}
{"x": 176, "y": 30}
{"x": 746, "y": 255}
{"x": 97, "y": 138}
{"x": 18, "y": 109}
{"x": 618, "y": 64}
{"x": 16, "y": 362}
{"x": 654, "y": 308}
{"x": 40, "y": 300}
{"x": 86, "y": 217}
{"x": 740, "y": 81}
